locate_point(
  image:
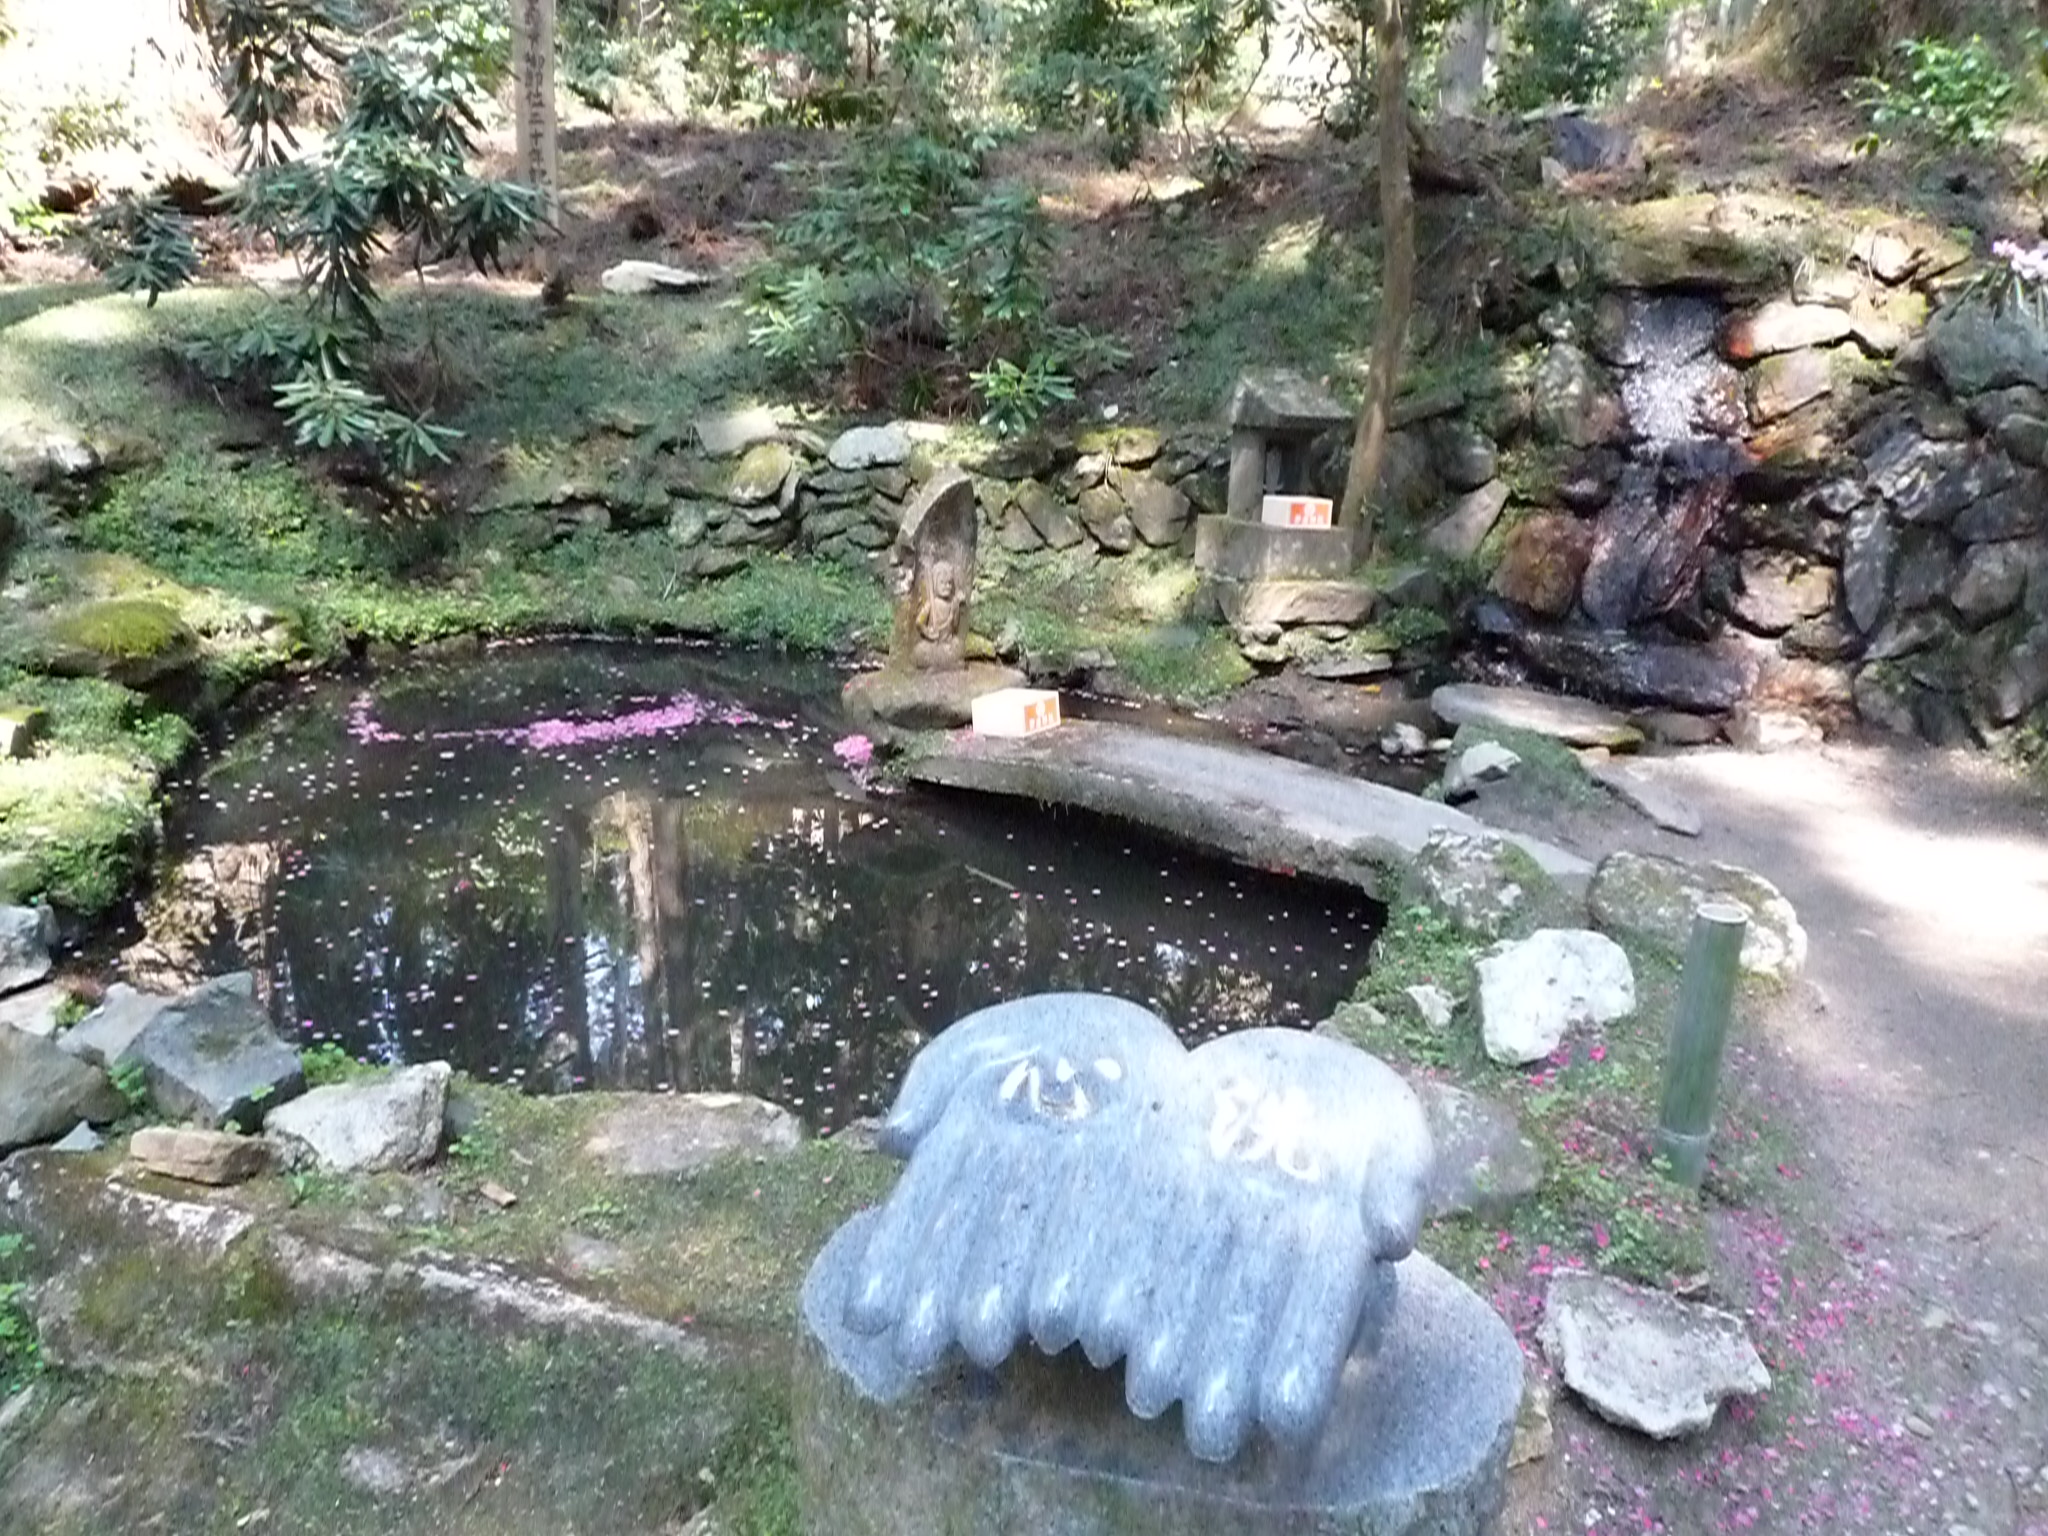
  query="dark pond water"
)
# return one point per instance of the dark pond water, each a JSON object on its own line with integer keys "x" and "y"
{"x": 579, "y": 866}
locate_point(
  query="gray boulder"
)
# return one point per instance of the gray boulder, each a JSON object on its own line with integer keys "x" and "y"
{"x": 211, "y": 1057}
{"x": 44, "y": 1093}
{"x": 1990, "y": 582}
{"x": 1484, "y": 762}
{"x": 1975, "y": 350}
{"x": 1652, "y": 900}
{"x": 645, "y": 1134}
{"x": 1479, "y": 880}
{"x": 1638, "y": 790}
{"x": 1484, "y": 1163}
{"x": 1464, "y": 528}
{"x": 869, "y": 447}
{"x": 1869, "y": 557}
{"x": 1532, "y": 992}
{"x": 1645, "y": 1360}
{"x": 103, "y": 1036}
{"x": 25, "y": 937}
{"x": 1576, "y": 722}
{"x": 1159, "y": 513}
{"x": 377, "y": 1125}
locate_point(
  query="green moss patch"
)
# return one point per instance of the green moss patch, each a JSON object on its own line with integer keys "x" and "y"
{"x": 75, "y": 828}
{"x": 124, "y": 639}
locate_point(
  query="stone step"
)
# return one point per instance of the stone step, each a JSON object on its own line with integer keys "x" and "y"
{"x": 1246, "y": 551}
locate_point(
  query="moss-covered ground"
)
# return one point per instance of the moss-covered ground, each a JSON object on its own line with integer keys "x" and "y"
{"x": 382, "y": 1409}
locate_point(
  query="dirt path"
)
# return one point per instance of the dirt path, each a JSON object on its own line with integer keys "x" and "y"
{"x": 1915, "y": 1052}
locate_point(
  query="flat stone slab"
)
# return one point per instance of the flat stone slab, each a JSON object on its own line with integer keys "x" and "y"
{"x": 1234, "y": 801}
{"x": 1644, "y": 1359}
{"x": 664, "y": 1133}
{"x": 1637, "y": 790}
{"x": 1652, "y": 900}
{"x": 1576, "y": 722}
{"x": 378, "y": 1125}
{"x": 198, "y": 1157}
{"x": 1416, "y": 1444}
{"x": 916, "y": 699}
{"x": 1246, "y": 551}
{"x": 1281, "y": 400}
{"x": 1254, "y": 603}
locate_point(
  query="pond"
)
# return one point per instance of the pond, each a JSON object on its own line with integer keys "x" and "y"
{"x": 646, "y": 867}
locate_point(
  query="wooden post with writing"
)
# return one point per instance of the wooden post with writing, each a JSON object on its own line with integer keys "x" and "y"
{"x": 533, "y": 74}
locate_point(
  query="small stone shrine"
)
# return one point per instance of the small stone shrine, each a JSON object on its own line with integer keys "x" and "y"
{"x": 1268, "y": 578}
{"x": 928, "y": 682}
{"x": 1228, "y": 1232}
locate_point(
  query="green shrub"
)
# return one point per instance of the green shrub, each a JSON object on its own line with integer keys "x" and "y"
{"x": 20, "y": 1350}
{"x": 393, "y": 170}
{"x": 1574, "y": 50}
{"x": 1941, "y": 95}
{"x": 904, "y": 248}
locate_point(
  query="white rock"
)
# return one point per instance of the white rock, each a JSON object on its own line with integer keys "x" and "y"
{"x": 733, "y": 432}
{"x": 1434, "y": 1004}
{"x": 634, "y": 278}
{"x": 1646, "y": 1360}
{"x": 869, "y": 447}
{"x": 1401, "y": 739}
{"x": 373, "y": 1126}
{"x": 1532, "y": 991}
{"x": 1485, "y": 762}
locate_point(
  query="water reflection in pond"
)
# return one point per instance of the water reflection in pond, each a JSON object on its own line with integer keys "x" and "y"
{"x": 593, "y": 866}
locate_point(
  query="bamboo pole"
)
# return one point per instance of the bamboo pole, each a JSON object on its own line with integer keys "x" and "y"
{"x": 1699, "y": 1036}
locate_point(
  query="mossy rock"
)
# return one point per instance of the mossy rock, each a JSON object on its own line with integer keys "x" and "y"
{"x": 1700, "y": 241}
{"x": 75, "y": 828}
{"x": 1480, "y": 882}
{"x": 129, "y": 640}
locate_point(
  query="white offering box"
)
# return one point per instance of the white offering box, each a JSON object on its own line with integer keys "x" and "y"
{"x": 1016, "y": 712}
{"x": 1295, "y": 512}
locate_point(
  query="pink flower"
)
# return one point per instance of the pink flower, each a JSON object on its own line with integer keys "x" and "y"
{"x": 854, "y": 751}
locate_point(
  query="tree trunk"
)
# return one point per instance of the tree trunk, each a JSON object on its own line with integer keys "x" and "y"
{"x": 1397, "y": 283}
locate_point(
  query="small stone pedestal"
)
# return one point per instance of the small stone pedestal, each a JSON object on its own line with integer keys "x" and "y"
{"x": 1416, "y": 1445}
{"x": 1264, "y": 578}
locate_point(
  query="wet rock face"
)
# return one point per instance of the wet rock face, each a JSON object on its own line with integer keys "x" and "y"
{"x": 1650, "y": 546}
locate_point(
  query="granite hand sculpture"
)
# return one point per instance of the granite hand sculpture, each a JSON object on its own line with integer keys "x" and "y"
{"x": 1222, "y": 1221}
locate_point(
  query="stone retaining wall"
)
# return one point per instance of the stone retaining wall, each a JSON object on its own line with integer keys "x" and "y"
{"x": 1698, "y": 482}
